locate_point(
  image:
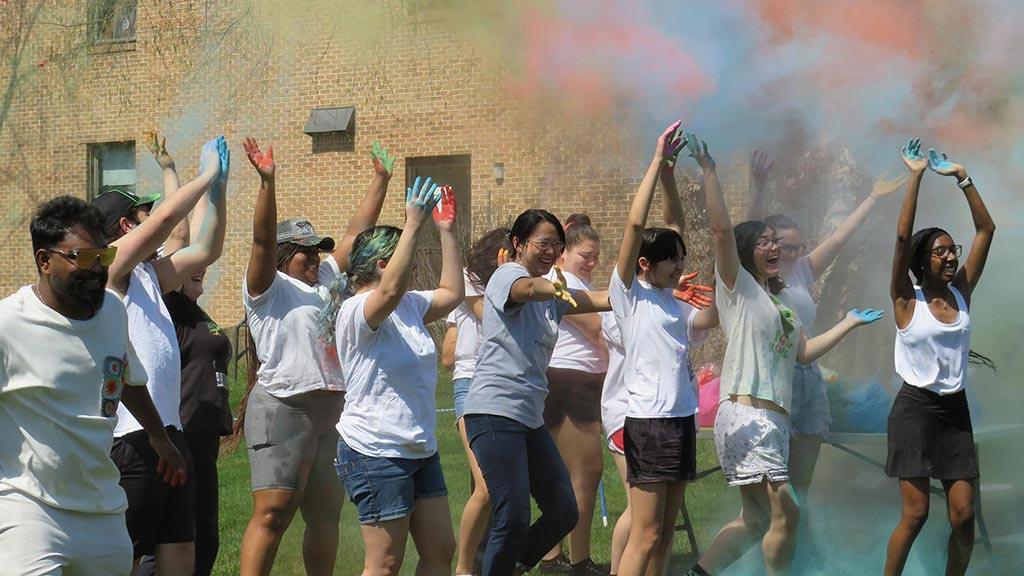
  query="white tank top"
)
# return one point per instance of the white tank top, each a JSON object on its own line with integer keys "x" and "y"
{"x": 931, "y": 354}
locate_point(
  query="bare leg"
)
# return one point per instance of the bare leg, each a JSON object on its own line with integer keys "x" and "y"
{"x": 475, "y": 514}
{"x": 803, "y": 457}
{"x": 580, "y": 446}
{"x": 620, "y": 533}
{"x": 178, "y": 559}
{"x": 960, "y": 497}
{"x": 384, "y": 543}
{"x": 736, "y": 537}
{"x": 915, "y": 512}
{"x": 321, "y": 510}
{"x": 648, "y": 512}
{"x": 431, "y": 530}
{"x": 780, "y": 538}
{"x": 271, "y": 515}
{"x": 674, "y": 496}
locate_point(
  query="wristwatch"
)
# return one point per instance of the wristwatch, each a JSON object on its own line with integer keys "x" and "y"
{"x": 966, "y": 182}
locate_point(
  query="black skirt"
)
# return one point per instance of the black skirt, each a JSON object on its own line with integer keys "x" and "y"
{"x": 930, "y": 436}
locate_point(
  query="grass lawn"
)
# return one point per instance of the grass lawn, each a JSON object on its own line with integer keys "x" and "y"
{"x": 705, "y": 500}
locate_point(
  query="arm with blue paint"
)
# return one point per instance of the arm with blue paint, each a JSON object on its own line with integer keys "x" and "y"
{"x": 901, "y": 288}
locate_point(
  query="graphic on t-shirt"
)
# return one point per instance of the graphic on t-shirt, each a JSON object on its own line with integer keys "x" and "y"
{"x": 114, "y": 376}
{"x": 783, "y": 342}
{"x": 213, "y": 327}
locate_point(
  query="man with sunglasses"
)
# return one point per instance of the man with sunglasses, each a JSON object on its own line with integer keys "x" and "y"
{"x": 160, "y": 518}
{"x": 61, "y": 509}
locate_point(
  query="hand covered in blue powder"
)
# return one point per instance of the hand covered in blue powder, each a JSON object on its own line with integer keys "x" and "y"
{"x": 699, "y": 152}
{"x": 913, "y": 157}
{"x": 865, "y": 316}
{"x": 942, "y": 165}
{"x": 209, "y": 158}
{"x": 224, "y": 153}
{"x": 421, "y": 198}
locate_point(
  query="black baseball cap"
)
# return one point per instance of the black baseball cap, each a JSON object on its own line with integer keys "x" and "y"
{"x": 115, "y": 203}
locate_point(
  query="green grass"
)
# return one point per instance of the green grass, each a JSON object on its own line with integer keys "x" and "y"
{"x": 704, "y": 501}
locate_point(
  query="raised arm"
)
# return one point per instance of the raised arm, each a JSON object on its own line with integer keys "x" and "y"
{"x": 724, "y": 241}
{"x": 822, "y": 256}
{"x": 262, "y": 269}
{"x": 172, "y": 270}
{"x": 901, "y": 288}
{"x": 179, "y": 237}
{"x": 669, "y": 143}
{"x": 419, "y": 202}
{"x": 142, "y": 242}
{"x": 760, "y": 167}
{"x": 984, "y": 227}
{"x": 369, "y": 209}
{"x": 451, "y": 288}
{"x": 671, "y": 204}
{"x": 809, "y": 350}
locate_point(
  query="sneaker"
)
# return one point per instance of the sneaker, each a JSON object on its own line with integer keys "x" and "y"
{"x": 557, "y": 565}
{"x": 587, "y": 568}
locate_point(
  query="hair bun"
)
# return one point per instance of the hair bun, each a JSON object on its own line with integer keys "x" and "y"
{"x": 577, "y": 218}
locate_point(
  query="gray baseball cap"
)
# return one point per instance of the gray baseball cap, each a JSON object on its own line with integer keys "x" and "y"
{"x": 300, "y": 231}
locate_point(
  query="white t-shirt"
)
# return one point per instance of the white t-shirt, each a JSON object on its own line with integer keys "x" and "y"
{"x": 655, "y": 330}
{"x": 614, "y": 396}
{"x": 574, "y": 351}
{"x": 391, "y": 375}
{"x": 797, "y": 293}
{"x": 155, "y": 340}
{"x": 933, "y": 355}
{"x": 761, "y": 353}
{"x": 283, "y": 322}
{"x": 60, "y": 384}
{"x": 468, "y": 334}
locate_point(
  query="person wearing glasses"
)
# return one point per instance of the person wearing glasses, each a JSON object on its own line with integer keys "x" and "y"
{"x": 160, "y": 518}
{"x": 930, "y": 432}
{"x": 799, "y": 269}
{"x": 765, "y": 341}
{"x": 504, "y": 415}
{"x": 295, "y": 390}
{"x": 61, "y": 509}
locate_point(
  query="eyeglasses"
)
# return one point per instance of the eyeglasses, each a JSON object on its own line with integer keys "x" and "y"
{"x": 765, "y": 243}
{"x": 941, "y": 251}
{"x": 793, "y": 249}
{"x": 545, "y": 245}
{"x": 85, "y": 257}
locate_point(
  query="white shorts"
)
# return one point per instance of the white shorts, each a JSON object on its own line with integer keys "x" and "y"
{"x": 37, "y": 539}
{"x": 752, "y": 444}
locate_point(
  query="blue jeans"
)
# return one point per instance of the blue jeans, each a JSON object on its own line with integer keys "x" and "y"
{"x": 518, "y": 462}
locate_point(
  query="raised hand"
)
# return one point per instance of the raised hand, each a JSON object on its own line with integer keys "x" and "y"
{"x": 420, "y": 199}
{"x": 699, "y": 152}
{"x": 503, "y": 257}
{"x": 209, "y": 158}
{"x": 913, "y": 157}
{"x": 224, "y": 153}
{"x": 760, "y": 166}
{"x": 444, "y": 213}
{"x": 942, "y": 165}
{"x": 884, "y": 186}
{"x": 561, "y": 291}
{"x": 264, "y": 164}
{"x": 670, "y": 143}
{"x": 693, "y": 294}
{"x": 865, "y": 316}
{"x": 159, "y": 149}
{"x": 383, "y": 164}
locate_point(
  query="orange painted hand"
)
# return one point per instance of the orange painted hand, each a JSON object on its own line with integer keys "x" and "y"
{"x": 444, "y": 212}
{"x": 561, "y": 291}
{"x": 159, "y": 149}
{"x": 264, "y": 164}
{"x": 503, "y": 257}
{"x": 693, "y": 294}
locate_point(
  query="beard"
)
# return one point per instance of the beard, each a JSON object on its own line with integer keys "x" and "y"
{"x": 83, "y": 289}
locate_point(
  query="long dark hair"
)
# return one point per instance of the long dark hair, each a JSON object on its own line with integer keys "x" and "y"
{"x": 525, "y": 225}
{"x": 747, "y": 234}
{"x": 482, "y": 260}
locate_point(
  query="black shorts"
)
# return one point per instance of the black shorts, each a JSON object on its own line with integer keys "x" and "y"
{"x": 660, "y": 450}
{"x": 157, "y": 513}
{"x": 930, "y": 436}
{"x": 572, "y": 393}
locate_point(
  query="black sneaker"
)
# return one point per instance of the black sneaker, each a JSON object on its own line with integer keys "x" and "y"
{"x": 587, "y": 568}
{"x": 557, "y": 565}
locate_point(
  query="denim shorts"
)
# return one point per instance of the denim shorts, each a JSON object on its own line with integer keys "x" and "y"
{"x": 460, "y": 390}
{"x": 810, "y": 413}
{"x": 387, "y": 488}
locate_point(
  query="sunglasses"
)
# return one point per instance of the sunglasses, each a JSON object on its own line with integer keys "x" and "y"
{"x": 85, "y": 257}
